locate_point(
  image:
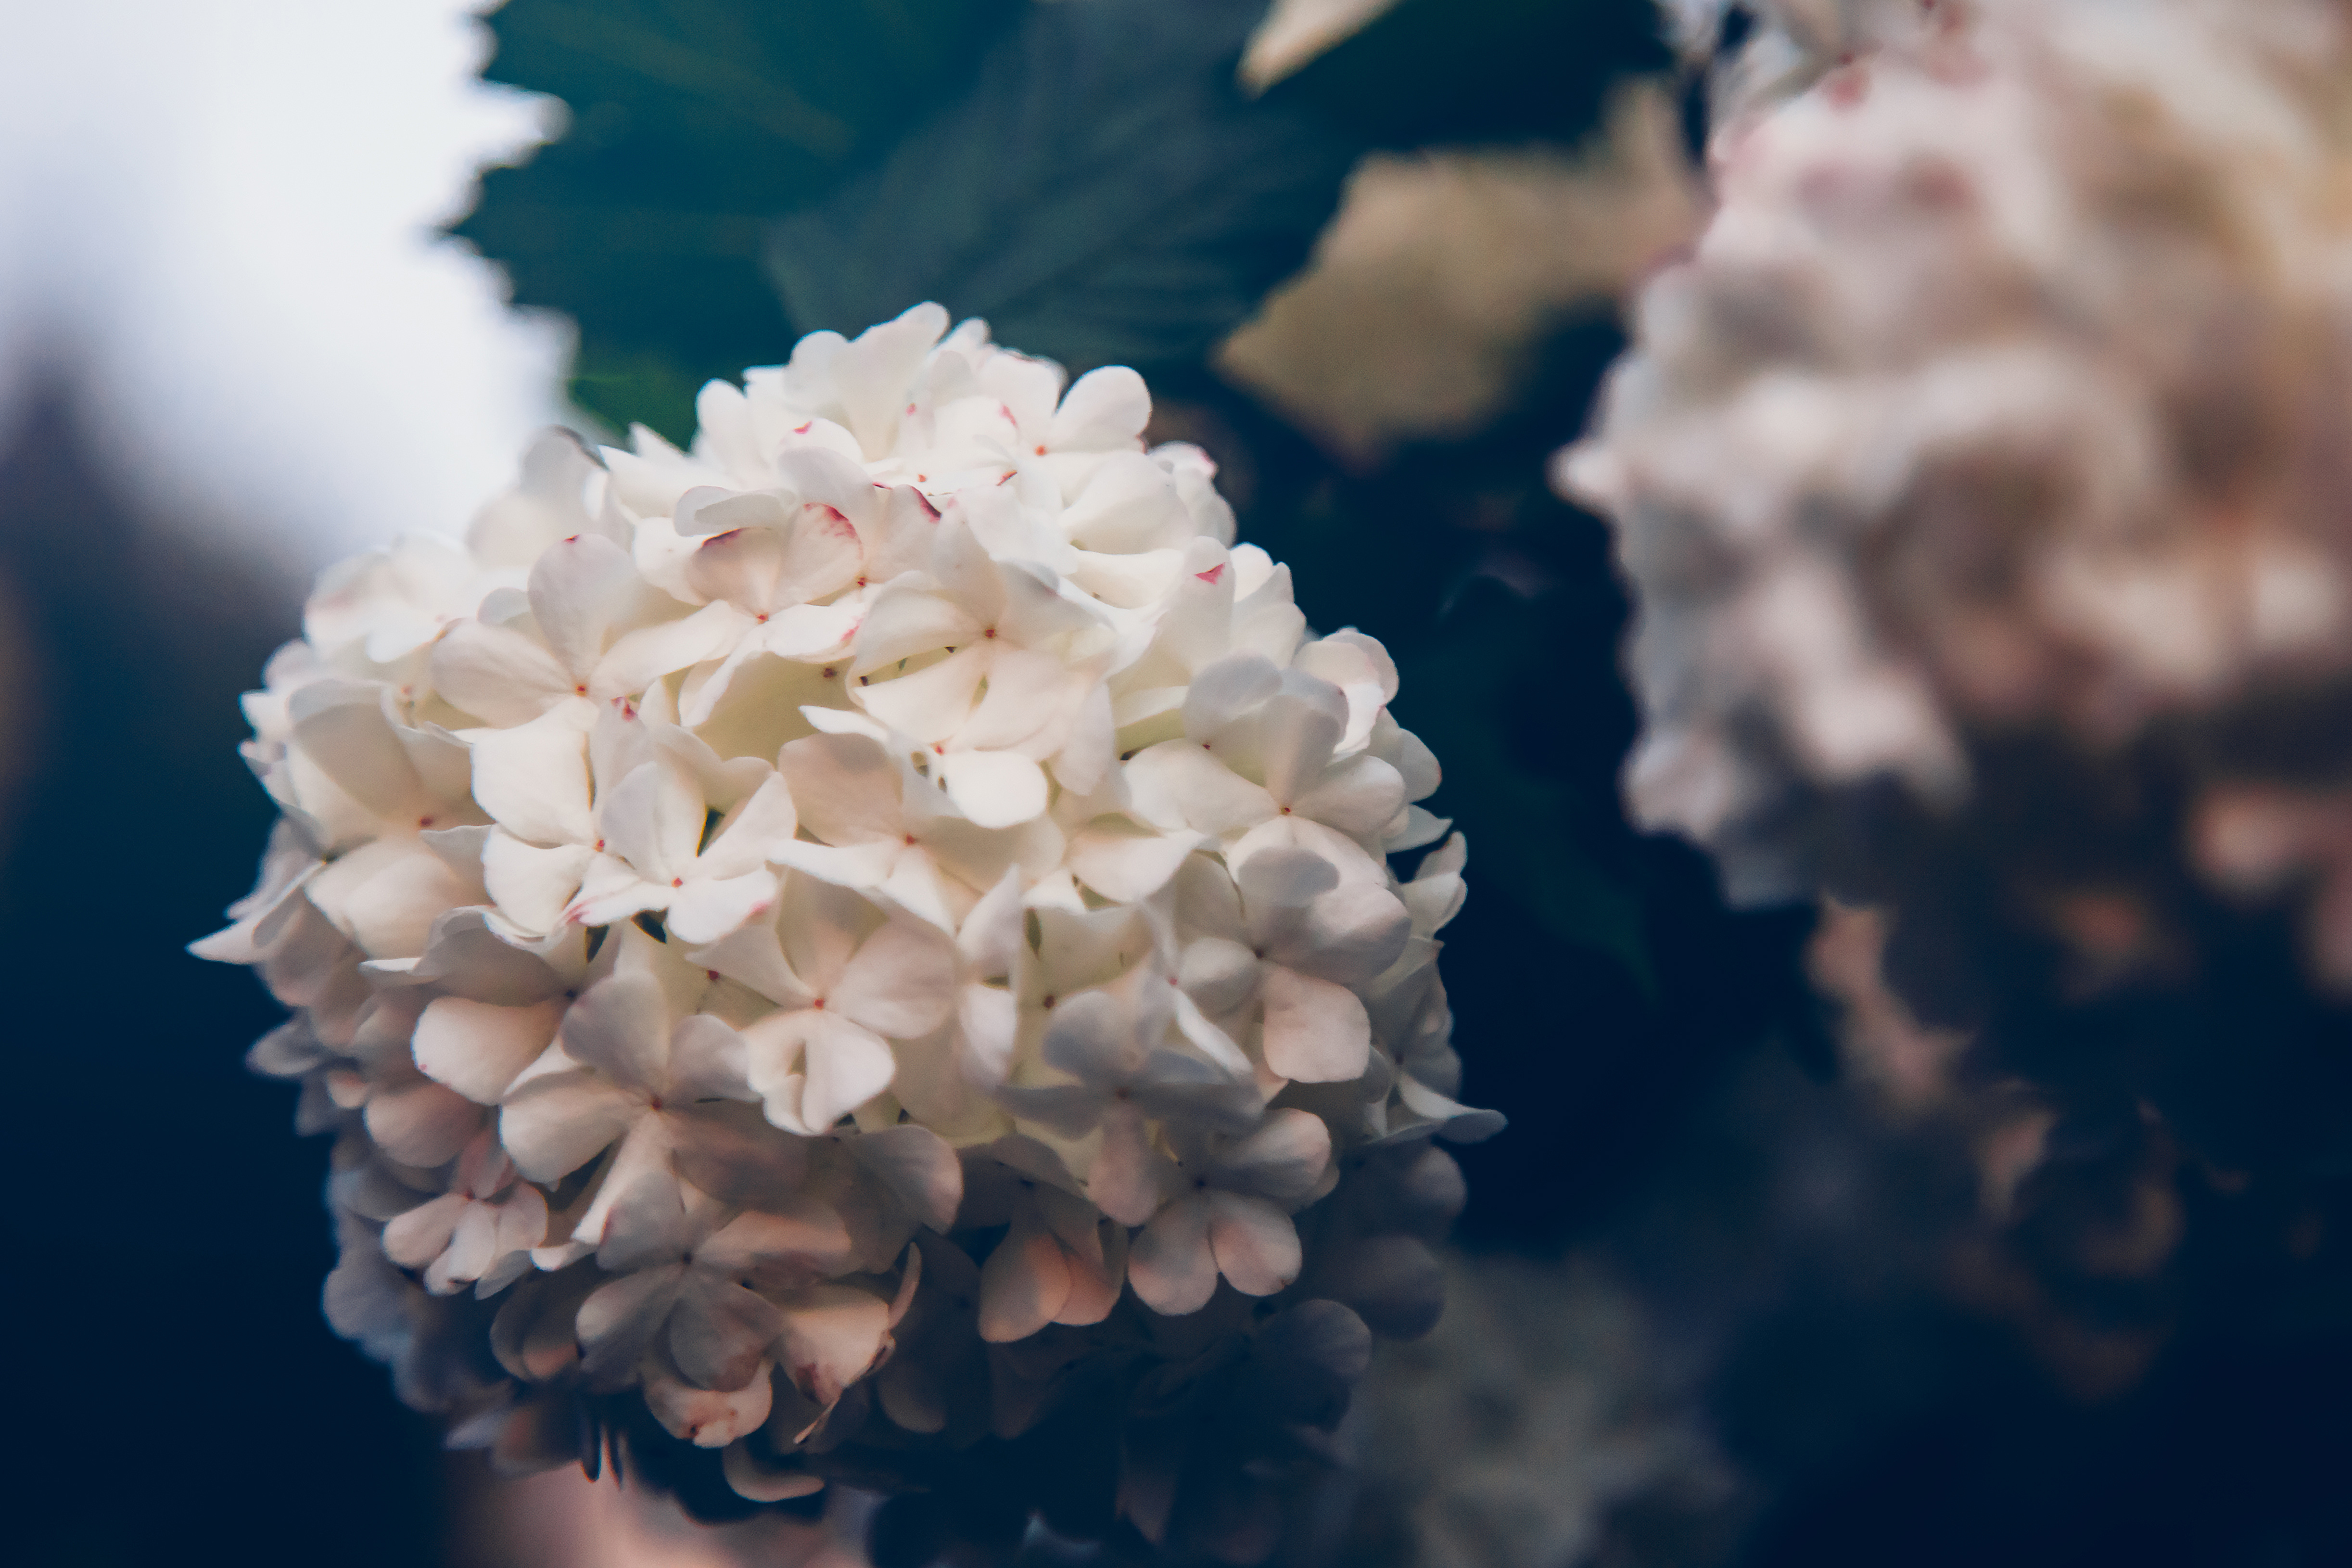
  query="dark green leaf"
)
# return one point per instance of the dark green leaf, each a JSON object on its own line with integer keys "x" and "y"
{"x": 694, "y": 122}
{"x": 1102, "y": 194}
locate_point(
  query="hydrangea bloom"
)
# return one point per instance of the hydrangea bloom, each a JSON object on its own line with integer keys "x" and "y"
{"x": 823, "y": 937}
{"x": 1998, "y": 400}
{"x": 1980, "y": 474}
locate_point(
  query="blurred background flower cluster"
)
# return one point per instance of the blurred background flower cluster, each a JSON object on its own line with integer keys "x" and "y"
{"x": 1976, "y": 1195}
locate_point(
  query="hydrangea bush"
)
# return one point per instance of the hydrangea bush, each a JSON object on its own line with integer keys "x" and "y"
{"x": 856, "y": 937}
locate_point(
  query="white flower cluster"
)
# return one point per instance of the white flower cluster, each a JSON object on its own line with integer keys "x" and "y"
{"x": 906, "y": 815}
{"x": 2002, "y": 396}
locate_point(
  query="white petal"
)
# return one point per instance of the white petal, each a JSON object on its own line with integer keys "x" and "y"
{"x": 1413, "y": 762}
{"x": 828, "y": 475}
{"x": 708, "y": 909}
{"x": 1128, "y": 1179}
{"x": 991, "y": 937}
{"x": 1096, "y": 1253}
{"x": 1224, "y": 691}
{"x": 1084, "y": 760}
{"x": 416, "y": 1238}
{"x": 1031, "y": 701}
{"x": 845, "y": 1066}
{"x": 1358, "y": 796}
{"x": 469, "y": 956}
{"x": 1350, "y": 934}
{"x": 532, "y": 887}
{"x": 834, "y": 1335}
{"x": 901, "y": 983}
{"x": 933, "y": 702}
{"x": 552, "y": 1126}
{"x": 621, "y": 1026}
{"x": 1412, "y": 828}
{"x": 719, "y": 1331}
{"x": 643, "y": 657}
{"x": 710, "y": 1419}
{"x": 610, "y": 891}
{"x": 654, "y": 819}
{"x": 1283, "y": 878}
{"x": 800, "y": 1233}
{"x": 619, "y": 1320}
{"x": 899, "y": 536}
{"x": 497, "y": 674}
{"x": 708, "y": 1061}
{"x": 1128, "y": 505}
{"x": 918, "y": 1167}
{"x": 1123, "y": 862}
{"x": 854, "y": 865}
{"x": 522, "y": 1221}
{"x": 1105, "y": 411}
{"x": 752, "y": 831}
{"x": 473, "y": 1248}
{"x": 1177, "y": 784}
{"x": 1218, "y": 974}
{"x": 988, "y": 1019}
{"x": 754, "y": 956}
{"x": 809, "y": 553}
{"x": 1301, "y": 726}
{"x": 905, "y": 619}
{"x": 808, "y": 631}
{"x": 995, "y": 789}
{"x": 872, "y": 373}
{"x": 1255, "y": 1245}
{"x": 645, "y": 1224}
{"x": 847, "y": 787}
{"x": 386, "y": 895}
{"x": 476, "y": 1049}
{"x": 762, "y": 1482}
{"x": 1170, "y": 1265}
{"x": 579, "y": 587}
{"x": 421, "y": 1123}
{"x": 1025, "y": 1284}
{"x": 1457, "y": 1124}
{"x": 1283, "y": 1160}
{"x": 533, "y": 779}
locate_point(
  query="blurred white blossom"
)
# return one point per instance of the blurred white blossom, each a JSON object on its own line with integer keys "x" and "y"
{"x": 1999, "y": 399}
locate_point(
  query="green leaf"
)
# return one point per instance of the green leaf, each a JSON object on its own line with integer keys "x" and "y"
{"x": 693, "y": 123}
{"x": 622, "y": 387}
{"x": 1103, "y": 193}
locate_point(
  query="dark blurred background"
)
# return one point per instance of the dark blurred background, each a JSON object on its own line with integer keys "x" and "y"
{"x": 1786, "y": 1302}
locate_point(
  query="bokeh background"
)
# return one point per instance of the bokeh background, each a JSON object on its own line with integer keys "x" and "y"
{"x": 1726, "y": 1292}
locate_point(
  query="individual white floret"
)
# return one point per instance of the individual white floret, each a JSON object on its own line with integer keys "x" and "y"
{"x": 481, "y": 1230}
{"x": 1224, "y": 1209}
{"x": 589, "y": 631}
{"x": 845, "y": 981}
{"x": 875, "y": 825}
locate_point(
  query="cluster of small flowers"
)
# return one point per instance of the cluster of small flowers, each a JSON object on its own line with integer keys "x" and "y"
{"x": 897, "y": 875}
{"x": 2002, "y": 398}
{"x": 1980, "y": 474}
